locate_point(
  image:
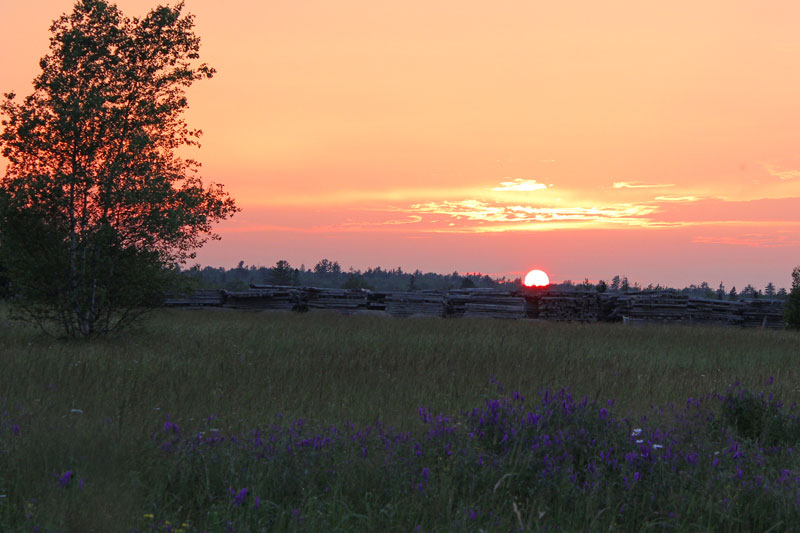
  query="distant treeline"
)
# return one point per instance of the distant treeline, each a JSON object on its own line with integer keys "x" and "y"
{"x": 330, "y": 274}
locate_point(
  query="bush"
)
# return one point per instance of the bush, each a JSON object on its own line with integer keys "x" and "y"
{"x": 792, "y": 309}
{"x": 760, "y": 418}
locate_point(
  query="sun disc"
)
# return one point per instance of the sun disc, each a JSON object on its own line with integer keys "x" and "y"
{"x": 536, "y": 278}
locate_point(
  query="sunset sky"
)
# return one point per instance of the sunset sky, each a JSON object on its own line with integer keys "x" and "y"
{"x": 660, "y": 140}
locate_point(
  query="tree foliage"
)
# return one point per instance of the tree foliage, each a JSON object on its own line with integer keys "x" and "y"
{"x": 282, "y": 273}
{"x": 769, "y": 290}
{"x": 733, "y": 295}
{"x": 792, "y": 309}
{"x": 96, "y": 207}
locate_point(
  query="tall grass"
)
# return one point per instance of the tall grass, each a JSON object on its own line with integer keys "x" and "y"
{"x": 97, "y": 410}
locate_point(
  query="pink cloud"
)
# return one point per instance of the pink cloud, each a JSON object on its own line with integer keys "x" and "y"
{"x": 718, "y": 210}
{"x": 753, "y": 240}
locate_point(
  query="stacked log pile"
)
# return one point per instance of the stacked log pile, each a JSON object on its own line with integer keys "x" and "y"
{"x": 486, "y": 303}
{"x": 276, "y": 298}
{"x": 671, "y": 307}
{"x": 499, "y": 306}
{"x": 653, "y": 307}
{"x": 660, "y": 307}
{"x": 376, "y": 301}
{"x": 456, "y": 300}
{"x": 411, "y": 303}
{"x": 714, "y": 312}
{"x": 202, "y": 298}
{"x": 572, "y": 306}
{"x": 456, "y": 303}
{"x": 341, "y": 300}
{"x": 531, "y": 304}
{"x": 610, "y": 307}
{"x": 761, "y": 313}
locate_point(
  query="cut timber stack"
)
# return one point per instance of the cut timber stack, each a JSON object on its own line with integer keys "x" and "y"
{"x": 641, "y": 307}
{"x": 609, "y": 307}
{"x": 456, "y": 300}
{"x": 495, "y": 304}
{"x": 341, "y": 300}
{"x": 654, "y": 307}
{"x": 761, "y": 313}
{"x": 714, "y": 312}
{"x": 276, "y": 297}
{"x": 411, "y": 303}
{"x": 572, "y": 306}
{"x": 203, "y": 298}
{"x": 376, "y": 301}
{"x": 533, "y": 296}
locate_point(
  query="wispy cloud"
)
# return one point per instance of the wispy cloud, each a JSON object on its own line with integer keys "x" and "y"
{"x": 483, "y": 215}
{"x": 783, "y": 175}
{"x": 501, "y": 217}
{"x": 267, "y": 228}
{"x": 753, "y": 240}
{"x": 519, "y": 184}
{"x": 678, "y": 198}
{"x": 640, "y": 185}
{"x": 411, "y": 219}
{"x": 785, "y": 211}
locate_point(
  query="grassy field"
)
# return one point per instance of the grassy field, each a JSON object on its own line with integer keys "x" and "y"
{"x": 114, "y": 434}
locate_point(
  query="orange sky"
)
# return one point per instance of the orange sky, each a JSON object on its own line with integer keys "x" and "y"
{"x": 654, "y": 139}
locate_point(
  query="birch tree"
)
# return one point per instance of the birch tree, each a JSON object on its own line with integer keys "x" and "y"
{"x": 96, "y": 207}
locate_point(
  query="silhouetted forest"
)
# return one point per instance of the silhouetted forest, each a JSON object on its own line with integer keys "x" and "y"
{"x": 327, "y": 273}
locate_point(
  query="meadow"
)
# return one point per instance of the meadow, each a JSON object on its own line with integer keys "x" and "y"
{"x": 234, "y": 421}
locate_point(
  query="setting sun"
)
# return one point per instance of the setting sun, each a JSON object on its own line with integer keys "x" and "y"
{"x": 537, "y": 278}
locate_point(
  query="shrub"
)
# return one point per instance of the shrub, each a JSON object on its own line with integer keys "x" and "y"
{"x": 760, "y": 418}
{"x": 792, "y": 309}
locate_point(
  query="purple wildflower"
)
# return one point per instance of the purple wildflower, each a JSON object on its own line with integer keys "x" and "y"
{"x": 170, "y": 426}
{"x": 418, "y": 449}
{"x": 239, "y": 497}
{"x": 64, "y": 479}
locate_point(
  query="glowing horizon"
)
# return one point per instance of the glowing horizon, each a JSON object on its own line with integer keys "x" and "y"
{"x": 656, "y": 141}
